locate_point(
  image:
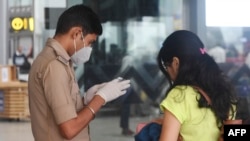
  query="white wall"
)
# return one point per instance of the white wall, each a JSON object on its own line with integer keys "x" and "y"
{"x": 40, "y": 34}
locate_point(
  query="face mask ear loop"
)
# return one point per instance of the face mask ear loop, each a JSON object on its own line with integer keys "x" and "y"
{"x": 83, "y": 41}
{"x": 75, "y": 45}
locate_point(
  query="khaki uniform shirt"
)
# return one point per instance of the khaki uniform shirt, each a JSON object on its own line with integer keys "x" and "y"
{"x": 54, "y": 95}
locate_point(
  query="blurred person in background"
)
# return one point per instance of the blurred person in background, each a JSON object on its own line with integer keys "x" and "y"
{"x": 126, "y": 101}
{"x": 218, "y": 53}
{"x": 21, "y": 60}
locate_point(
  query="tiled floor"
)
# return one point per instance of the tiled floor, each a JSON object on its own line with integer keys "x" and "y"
{"x": 102, "y": 129}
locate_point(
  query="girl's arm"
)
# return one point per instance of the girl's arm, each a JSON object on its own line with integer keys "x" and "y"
{"x": 170, "y": 127}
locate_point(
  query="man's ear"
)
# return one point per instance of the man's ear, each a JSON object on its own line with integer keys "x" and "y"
{"x": 74, "y": 31}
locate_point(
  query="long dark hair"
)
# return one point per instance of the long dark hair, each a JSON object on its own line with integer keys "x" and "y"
{"x": 197, "y": 68}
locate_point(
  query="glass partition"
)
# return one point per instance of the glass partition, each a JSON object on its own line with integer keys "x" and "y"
{"x": 228, "y": 41}
{"x": 132, "y": 37}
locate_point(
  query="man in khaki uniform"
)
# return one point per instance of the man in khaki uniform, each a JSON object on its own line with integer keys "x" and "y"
{"x": 58, "y": 112}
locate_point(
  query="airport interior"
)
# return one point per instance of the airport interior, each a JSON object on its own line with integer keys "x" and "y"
{"x": 133, "y": 31}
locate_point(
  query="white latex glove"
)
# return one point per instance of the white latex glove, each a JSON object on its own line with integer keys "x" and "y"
{"x": 113, "y": 89}
{"x": 91, "y": 92}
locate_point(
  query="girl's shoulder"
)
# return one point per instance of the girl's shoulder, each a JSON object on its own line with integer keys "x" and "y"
{"x": 183, "y": 92}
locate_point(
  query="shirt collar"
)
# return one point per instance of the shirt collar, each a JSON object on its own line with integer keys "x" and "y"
{"x": 59, "y": 50}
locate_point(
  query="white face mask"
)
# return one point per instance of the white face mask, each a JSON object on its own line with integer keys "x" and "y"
{"x": 82, "y": 55}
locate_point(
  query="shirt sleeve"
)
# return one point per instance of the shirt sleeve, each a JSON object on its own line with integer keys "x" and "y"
{"x": 57, "y": 89}
{"x": 176, "y": 104}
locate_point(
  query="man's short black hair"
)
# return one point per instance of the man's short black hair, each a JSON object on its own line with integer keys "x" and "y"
{"x": 81, "y": 16}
